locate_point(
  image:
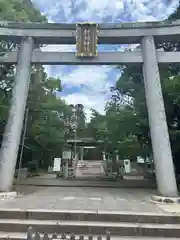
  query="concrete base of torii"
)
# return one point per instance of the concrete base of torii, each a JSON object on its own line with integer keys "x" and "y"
{"x": 8, "y": 195}
{"x": 165, "y": 200}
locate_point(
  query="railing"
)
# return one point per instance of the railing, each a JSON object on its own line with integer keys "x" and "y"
{"x": 32, "y": 235}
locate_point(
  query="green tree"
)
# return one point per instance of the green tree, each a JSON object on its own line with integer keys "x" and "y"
{"x": 128, "y": 95}
{"x": 45, "y": 126}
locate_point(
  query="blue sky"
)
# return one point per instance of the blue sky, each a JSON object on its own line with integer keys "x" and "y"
{"x": 89, "y": 85}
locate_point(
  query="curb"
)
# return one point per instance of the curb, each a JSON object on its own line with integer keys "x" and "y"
{"x": 165, "y": 200}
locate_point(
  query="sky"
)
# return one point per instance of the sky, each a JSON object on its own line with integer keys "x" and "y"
{"x": 90, "y": 85}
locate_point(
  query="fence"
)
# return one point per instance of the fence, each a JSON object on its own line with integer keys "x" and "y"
{"x": 31, "y": 235}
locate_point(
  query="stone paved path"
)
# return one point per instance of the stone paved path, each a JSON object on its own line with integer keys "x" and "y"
{"x": 77, "y": 198}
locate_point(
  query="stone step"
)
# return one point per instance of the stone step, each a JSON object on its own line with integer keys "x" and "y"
{"x": 89, "y": 227}
{"x": 82, "y": 215}
{"x": 85, "y": 182}
{"x": 23, "y": 236}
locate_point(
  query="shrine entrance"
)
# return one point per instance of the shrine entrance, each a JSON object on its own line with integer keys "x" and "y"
{"x": 86, "y": 148}
{"x": 89, "y": 157}
{"x": 86, "y": 36}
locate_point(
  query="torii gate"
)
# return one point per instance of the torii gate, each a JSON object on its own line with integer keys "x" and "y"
{"x": 147, "y": 34}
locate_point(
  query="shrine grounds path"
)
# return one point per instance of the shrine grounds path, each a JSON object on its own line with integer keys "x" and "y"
{"x": 83, "y": 198}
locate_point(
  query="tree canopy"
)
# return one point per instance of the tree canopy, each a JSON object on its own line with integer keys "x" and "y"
{"x": 47, "y": 114}
{"x": 126, "y": 119}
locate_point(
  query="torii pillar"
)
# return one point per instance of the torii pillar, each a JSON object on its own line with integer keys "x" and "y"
{"x": 13, "y": 129}
{"x": 164, "y": 167}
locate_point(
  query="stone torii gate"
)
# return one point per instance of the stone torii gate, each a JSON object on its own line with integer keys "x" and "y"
{"x": 146, "y": 34}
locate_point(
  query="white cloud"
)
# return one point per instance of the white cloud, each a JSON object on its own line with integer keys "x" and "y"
{"x": 93, "y": 80}
{"x": 91, "y": 76}
{"x": 94, "y": 87}
{"x": 59, "y": 48}
{"x": 98, "y": 10}
{"x": 89, "y": 101}
{"x": 147, "y": 10}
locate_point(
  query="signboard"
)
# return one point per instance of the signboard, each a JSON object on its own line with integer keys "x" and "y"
{"x": 57, "y": 165}
{"x": 86, "y": 39}
{"x": 127, "y": 165}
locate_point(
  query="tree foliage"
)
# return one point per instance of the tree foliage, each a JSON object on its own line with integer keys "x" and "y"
{"x": 126, "y": 115}
{"x": 46, "y": 133}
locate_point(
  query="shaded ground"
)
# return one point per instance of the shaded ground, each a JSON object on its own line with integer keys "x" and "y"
{"x": 77, "y": 198}
{"x": 50, "y": 180}
{"x": 25, "y": 190}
